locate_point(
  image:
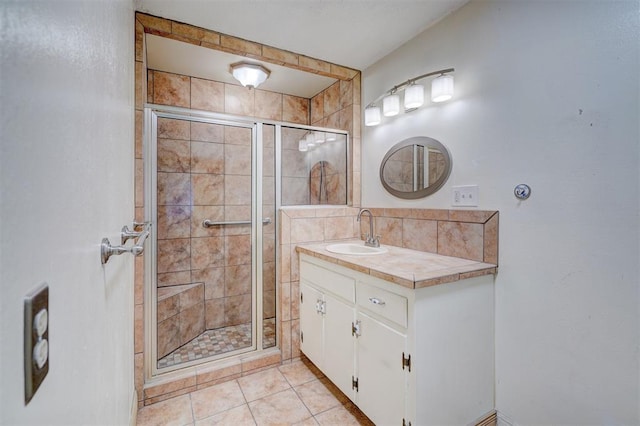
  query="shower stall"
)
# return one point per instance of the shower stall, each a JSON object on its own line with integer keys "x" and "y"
{"x": 213, "y": 186}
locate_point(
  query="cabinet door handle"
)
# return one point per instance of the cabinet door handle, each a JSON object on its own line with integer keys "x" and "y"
{"x": 376, "y": 301}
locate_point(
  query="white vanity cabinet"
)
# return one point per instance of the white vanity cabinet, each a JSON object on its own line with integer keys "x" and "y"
{"x": 403, "y": 356}
{"x": 327, "y": 312}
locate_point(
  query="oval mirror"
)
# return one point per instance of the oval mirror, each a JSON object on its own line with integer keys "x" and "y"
{"x": 415, "y": 167}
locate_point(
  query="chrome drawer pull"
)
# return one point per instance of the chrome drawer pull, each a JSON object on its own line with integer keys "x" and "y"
{"x": 376, "y": 301}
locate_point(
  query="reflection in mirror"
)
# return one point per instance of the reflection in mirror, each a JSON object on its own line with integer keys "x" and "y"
{"x": 415, "y": 168}
{"x": 315, "y": 173}
{"x": 326, "y": 184}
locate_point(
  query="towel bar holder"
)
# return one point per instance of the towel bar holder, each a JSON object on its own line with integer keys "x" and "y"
{"x": 107, "y": 250}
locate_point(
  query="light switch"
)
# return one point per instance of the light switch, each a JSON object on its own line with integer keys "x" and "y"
{"x": 36, "y": 340}
{"x": 466, "y": 196}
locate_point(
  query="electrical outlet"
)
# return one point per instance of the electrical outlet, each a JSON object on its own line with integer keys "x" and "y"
{"x": 466, "y": 196}
{"x": 36, "y": 340}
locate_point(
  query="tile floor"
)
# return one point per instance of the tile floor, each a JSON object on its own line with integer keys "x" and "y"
{"x": 290, "y": 394}
{"x": 219, "y": 341}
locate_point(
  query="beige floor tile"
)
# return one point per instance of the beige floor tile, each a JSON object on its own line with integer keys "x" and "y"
{"x": 172, "y": 412}
{"x": 317, "y": 396}
{"x": 344, "y": 399}
{"x": 308, "y": 422}
{"x": 298, "y": 373}
{"x": 216, "y": 399}
{"x": 239, "y": 416}
{"x": 282, "y": 408}
{"x": 264, "y": 383}
{"x": 340, "y": 416}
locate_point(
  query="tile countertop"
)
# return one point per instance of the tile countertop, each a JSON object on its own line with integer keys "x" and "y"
{"x": 406, "y": 267}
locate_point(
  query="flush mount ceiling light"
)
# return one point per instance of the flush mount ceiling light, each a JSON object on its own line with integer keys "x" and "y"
{"x": 441, "y": 90}
{"x": 249, "y": 75}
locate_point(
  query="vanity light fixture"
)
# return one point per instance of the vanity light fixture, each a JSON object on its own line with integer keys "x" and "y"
{"x": 249, "y": 75}
{"x": 302, "y": 145}
{"x": 441, "y": 90}
{"x": 330, "y": 137}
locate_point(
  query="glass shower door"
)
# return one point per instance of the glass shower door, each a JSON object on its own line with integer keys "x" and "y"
{"x": 206, "y": 280}
{"x": 269, "y": 209}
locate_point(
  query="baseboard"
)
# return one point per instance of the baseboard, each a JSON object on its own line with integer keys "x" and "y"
{"x": 505, "y": 421}
{"x": 133, "y": 415}
{"x": 489, "y": 419}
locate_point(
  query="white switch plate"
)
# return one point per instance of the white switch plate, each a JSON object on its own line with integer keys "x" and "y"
{"x": 466, "y": 196}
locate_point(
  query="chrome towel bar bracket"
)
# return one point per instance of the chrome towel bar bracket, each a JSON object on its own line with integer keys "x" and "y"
{"x": 107, "y": 250}
{"x": 207, "y": 223}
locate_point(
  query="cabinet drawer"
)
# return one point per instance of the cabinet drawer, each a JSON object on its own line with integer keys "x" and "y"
{"x": 382, "y": 302}
{"x": 331, "y": 281}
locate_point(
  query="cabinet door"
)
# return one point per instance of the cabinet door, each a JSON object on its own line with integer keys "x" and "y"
{"x": 381, "y": 379}
{"x": 339, "y": 344}
{"x": 311, "y": 337}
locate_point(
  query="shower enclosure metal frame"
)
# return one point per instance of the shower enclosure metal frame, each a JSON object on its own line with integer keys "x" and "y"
{"x": 151, "y": 114}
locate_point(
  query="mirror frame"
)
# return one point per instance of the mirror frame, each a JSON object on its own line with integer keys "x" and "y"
{"x": 427, "y": 142}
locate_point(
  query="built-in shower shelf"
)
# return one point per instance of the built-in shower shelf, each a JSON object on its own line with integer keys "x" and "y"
{"x": 181, "y": 315}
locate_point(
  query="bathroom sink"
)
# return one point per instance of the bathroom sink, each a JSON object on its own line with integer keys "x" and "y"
{"x": 355, "y": 249}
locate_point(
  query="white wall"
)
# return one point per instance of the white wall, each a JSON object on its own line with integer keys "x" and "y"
{"x": 547, "y": 93}
{"x": 66, "y": 168}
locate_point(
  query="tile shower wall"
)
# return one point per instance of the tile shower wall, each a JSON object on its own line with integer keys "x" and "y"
{"x": 195, "y": 93}
{"x": 219, "y": 97}
{"x": 338, "y": 107}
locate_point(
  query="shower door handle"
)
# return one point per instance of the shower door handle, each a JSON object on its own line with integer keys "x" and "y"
{"x": 207, "y": 223}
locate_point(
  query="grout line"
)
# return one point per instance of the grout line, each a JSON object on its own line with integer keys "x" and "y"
{"x": 193, "y": 414}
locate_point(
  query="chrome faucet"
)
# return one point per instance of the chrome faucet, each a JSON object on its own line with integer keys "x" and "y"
{"x": 370, "y": 240}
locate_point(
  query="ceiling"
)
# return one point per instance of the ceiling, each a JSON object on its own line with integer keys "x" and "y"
{"x": 352, "y": 33}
